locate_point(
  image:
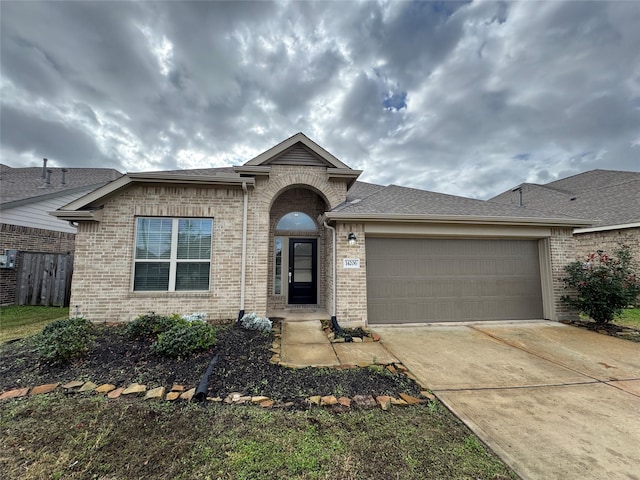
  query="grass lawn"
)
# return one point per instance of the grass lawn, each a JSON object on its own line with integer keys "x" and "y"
{"x": 50, "y": 436}
{"x": 22, "y": 321}
{"x": 630, "y": 318}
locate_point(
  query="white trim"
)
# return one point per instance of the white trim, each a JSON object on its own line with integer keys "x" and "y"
{"x": 546, "y": 279}
{"x": 606, "y": 227}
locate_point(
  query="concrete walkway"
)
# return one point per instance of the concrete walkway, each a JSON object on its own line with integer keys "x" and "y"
{"x": 304, "y": 344}
{"x": 554, "y": 401}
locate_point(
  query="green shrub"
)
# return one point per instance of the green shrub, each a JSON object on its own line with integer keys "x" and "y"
{"x": 184, "y": 339}
{"x": 150, "y": 325}
{"x": 604, "y": 285}
{"x": 64, "y": 340}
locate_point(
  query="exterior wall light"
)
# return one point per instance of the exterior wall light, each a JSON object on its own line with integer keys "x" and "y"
{"x": 351, "y": 238}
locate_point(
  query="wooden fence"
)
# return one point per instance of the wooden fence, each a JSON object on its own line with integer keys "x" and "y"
{"x": 44, "y": 279}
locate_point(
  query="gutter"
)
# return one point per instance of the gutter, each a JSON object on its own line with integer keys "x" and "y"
{"x": 334, "y": 319}
{"x": 466, "y": 219}
{"x": 607, "y": 227}
{"x": 243, "y": 275}
{"x": 335, "y": 289}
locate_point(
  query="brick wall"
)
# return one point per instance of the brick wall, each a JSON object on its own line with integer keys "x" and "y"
{"x": 102, "y": 284}
{"x": 562, "y": 247}
{"x": 609, "y": 241}
{"x": 351, "y": 289}
{"x": 102, "y": 287}
{"x": 28, "y": 239}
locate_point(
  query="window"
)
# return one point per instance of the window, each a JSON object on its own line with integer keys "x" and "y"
{"x": 172, "y": 254}
{"x": 296, "y": 221}
{"x": 277, "y": 282}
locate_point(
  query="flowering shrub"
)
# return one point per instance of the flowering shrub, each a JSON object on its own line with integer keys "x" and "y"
{"x": 252, "y": 321}
{"x": 604, "y": 285}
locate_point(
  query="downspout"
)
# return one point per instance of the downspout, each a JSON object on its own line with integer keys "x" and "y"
{"x": 334, "y": 319}
{"x": 243, "y": 273}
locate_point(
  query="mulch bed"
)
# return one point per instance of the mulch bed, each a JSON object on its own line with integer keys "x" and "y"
{"x": 243, "y": 366}
{"x": 619, "y": 331}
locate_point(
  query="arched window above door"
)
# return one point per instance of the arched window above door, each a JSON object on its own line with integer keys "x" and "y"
{"x": 296, "y": 221}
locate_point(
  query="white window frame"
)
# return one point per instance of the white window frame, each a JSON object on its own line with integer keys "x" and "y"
{"x": 173, "y": 258}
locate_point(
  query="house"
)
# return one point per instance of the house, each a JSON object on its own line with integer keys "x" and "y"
{"x": 292, "y": 230}
{"x": 26, "y": 197}
{"x": 610, "y": 198}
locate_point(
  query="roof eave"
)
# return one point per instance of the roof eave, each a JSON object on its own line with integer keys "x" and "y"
{"x": 344, "y": 173}
{"x": 604, "y": 228}
{"x": 160, "y": 177}
{"x": 157, "y": 177}
{"x": 258, "y": 171}
{"x": 466, "y": 219}
{"x": 78, "y": 215}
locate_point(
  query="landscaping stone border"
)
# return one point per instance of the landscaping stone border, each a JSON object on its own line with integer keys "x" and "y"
{"x": 184, "y": 393}
{"x": 180, "y": 392}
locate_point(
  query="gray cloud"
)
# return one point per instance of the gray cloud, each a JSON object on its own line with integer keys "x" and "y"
{"x": 463, "y": 98}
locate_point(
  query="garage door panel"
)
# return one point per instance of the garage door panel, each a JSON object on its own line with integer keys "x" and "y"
{"x": 436, "y": 280}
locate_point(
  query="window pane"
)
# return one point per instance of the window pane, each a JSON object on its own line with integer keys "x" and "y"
{"x": 151, "y": 276}
{"x": 192, "y": 276}
{"x": 194, "y": 239}
{"x": 302, "y": 249}
{"x": 153, "y": 238}
{"x": 277, "y": 284}
{"x": 296, "y": 221}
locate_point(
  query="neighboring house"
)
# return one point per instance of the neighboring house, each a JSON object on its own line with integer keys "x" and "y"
{"x": 610, "y": 198}
{"x": 27, "y": 195}
{"x": 292, "y": 230}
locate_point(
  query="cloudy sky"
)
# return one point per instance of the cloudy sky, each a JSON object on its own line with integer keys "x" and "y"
{"x": 462, "y": 98}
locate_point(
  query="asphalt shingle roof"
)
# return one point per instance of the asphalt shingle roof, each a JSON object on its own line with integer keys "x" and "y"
{"x": 395, "y": 200}
{"x": 609, "y": 197}
{"x": 27, "y": 183}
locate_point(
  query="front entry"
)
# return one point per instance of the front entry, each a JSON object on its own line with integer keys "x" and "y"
{"x": 303, "y": 277}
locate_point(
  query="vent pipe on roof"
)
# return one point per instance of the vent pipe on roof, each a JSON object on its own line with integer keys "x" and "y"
{"x": 48, "y": 181}
{"x": 64, "y": 171}
{"x": 44, "y": 167}
{"x": 519, "y": 190}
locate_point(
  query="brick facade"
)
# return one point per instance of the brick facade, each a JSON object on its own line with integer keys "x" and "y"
{"x": 351, "y": 291}
{"x": 102, "y": 287}
{"x": 609, "y": 241}
{"x": 562, "y": 247}
{"x": 28, "y": 239}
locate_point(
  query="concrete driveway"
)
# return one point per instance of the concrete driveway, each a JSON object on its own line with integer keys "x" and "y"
{"x": 554, "y": 401}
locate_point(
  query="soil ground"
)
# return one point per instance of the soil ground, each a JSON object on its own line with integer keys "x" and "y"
{"x": 243, "y": 366}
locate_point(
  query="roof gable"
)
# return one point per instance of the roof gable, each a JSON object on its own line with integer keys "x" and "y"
{"x": 297, "y": 150}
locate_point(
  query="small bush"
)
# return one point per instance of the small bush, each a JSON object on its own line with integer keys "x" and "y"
{"x": 150, "y": 325}
{"x": 195, "y": 317}
{"x": 252, "y": 321}
{"x": 64, "y": 340}
{"x": 604, "y": 285}
{"x": 184, "y": 339}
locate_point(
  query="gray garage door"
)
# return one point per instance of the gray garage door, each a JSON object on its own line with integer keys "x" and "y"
{"x": 447, "y": 280}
